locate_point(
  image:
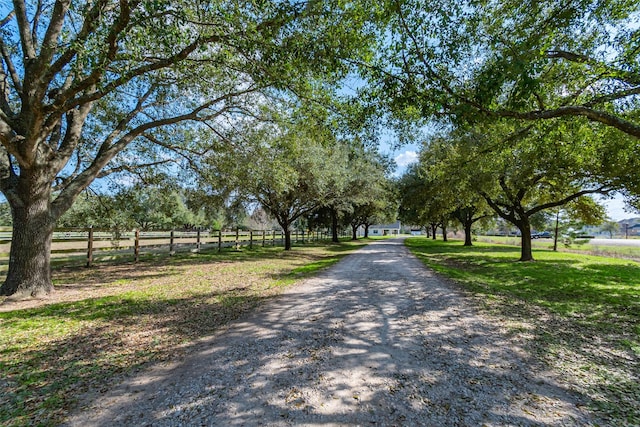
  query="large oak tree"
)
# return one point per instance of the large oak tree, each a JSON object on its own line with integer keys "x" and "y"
{"x": 523, "y": 171}
{"x": 93, "y": 88}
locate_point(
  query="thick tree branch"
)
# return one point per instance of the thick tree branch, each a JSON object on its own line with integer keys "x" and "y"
{"x": 66, "y": 99}
{"x": 24, "y": 29}
{"x": 600, "y": 190}
{"x": 576, "y": 110}
{"x": 50, "y": 41}
{"x": 108, "y": 151}
{"x": 88, "y": 27}
{"x": 15, "y": 77}
{"x": 629, "y": 77}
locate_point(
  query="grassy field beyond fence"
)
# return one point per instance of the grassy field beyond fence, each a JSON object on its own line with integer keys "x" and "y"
{"x": 104, "y": 322}
{"x": 581, "y": 312}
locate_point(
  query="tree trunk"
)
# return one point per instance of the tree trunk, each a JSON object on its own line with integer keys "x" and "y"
{"x": 467, "y": 233}
{"x": 366, "y": 231}
{"x": 29, "y": 273}
{"x": 444, "y": 232}
{"x": 555, "y": 234}
{"x": 334, "y": 226}
{"x": 354, "y": 232}
{"x": 287, "y": 239}
{"x": 434, "y": 228}
{"x": 525, "y": 237}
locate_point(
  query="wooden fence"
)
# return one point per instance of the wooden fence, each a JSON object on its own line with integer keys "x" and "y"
{"x": 99, "y": 243}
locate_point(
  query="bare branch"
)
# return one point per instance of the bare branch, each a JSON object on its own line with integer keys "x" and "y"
{"x": 28, "y": 47}
{"x": 36, "y": 20}
{"x": 15, "y": 77}
{"x": 7, "y": 18}
{"x": 50, "y": 41}
{"x": 623, "y": 75}
{"x": 575, "y": 110}
{"x": 88, "y": 26}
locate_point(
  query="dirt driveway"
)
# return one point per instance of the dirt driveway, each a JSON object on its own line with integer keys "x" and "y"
{"x": 376, "y": 340}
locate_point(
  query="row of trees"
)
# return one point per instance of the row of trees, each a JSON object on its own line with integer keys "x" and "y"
{"x": 537, "y": 105}
{"x": 93, "y": 89}
{"x": 96, "y": 89}
{"x": 518, "y": 175}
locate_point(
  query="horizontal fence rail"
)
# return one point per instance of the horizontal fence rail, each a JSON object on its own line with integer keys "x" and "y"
{"x": 98, "y": 244}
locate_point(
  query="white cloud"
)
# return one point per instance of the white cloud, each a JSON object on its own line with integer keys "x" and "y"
{"x": 405, "y": 159}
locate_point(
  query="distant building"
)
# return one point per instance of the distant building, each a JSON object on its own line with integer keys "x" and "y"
{"x": 385, "y": 229}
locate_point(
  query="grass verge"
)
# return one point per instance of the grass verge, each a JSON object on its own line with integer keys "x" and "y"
{"x": 105, "y": 322}
{"x": 580, "y": 314}
{"x": 586, "y": 247}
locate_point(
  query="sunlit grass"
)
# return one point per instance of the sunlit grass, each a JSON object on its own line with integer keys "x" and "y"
{"x": 135, "y": 314}
{"x": 582, "y": 311}
{"x": 590, "y": 286}
{"x": 578, "y": 246}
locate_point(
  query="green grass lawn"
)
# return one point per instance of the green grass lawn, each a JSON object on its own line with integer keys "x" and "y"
{"x": 581, "y": 311}
{"x": 579, "y": 246}
{"x": 107, "y": 321}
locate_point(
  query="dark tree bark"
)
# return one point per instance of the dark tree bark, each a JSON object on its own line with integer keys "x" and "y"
{"x": 334, "y": 226}
{"x": 467, "y": 234}
{"x": 29, "y": 273}
{"x": 467, "y": 219}
{"x": 444, "y": 231}
{"x": 287, "y": 239}
{"x": 526, "y": 253}
{"x": 286, "y": 229}
{"x": 555, "y": 233}
{"x": 366, "y": 231}
{"x": 354, "y": 231}
{"x": 434, "y": 229}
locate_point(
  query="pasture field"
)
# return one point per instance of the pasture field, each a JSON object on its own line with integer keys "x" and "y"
{"x": 110, "y": 320}
{"x": 579, "y": 313}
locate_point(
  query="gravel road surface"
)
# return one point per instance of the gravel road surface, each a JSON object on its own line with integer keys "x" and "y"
{"x": 376, "y": 340}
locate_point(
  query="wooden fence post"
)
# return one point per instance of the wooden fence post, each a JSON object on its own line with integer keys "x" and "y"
{"x": 90, "y": 247}
{"x": 171, "y": 251}
{"x": 303, "y": 237}
{"x": 273, "y": 238}
{"x": 237, "y": 237}
{"x": 220, "y": 240}
{"x": 264, "y": 236}
{"x": 198, "y": 240}
{"x": 136, "y": 248}
{"x": 250, "y": 239}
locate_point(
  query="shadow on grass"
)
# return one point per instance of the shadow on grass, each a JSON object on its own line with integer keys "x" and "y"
{"x": 42, "y": 383}
{"x": 319, "y": 340}
{"x": 594, "y": 308}
{"x": 122, "y": 332}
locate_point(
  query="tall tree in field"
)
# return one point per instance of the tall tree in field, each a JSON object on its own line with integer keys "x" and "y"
{"x": 289, "y": 170}
{"x": 92, "y": 88}
{"x": 525, "y": 171}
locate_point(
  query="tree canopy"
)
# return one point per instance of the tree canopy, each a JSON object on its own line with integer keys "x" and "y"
{"x": 525, "y": 60}
{"x": 92, "y": 89}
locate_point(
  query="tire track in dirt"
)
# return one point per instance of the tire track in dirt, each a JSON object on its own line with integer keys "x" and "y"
{"x": 375, "y": 340}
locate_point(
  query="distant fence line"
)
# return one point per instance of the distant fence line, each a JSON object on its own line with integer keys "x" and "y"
{"x": 69, "y": 242}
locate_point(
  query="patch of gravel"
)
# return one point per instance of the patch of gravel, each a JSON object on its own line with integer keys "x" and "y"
{"x": 375, "y": 340}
